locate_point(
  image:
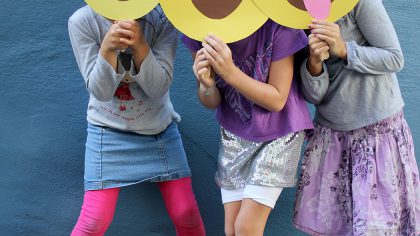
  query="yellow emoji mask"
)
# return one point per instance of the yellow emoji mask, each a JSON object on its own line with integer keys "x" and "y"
{"x": 294, "y": 13}
{"x": 122, "y": 9}
{"x": 230, "y": 20}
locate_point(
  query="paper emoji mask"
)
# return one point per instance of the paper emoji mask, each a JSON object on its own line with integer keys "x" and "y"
{"x": 299, "y": 13}
{"x": 230, "y": 20}
{"x": 122, "y": 9}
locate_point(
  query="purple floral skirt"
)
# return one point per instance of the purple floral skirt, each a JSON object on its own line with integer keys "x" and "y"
{"x": 360, "y": 182}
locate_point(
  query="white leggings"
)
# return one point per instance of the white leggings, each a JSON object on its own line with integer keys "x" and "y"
{"x": 264, "y": 195}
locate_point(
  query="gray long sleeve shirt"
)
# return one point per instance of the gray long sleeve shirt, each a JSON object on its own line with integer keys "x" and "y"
{"x": 131, "y": 101}
{"x": 364, "y": 89}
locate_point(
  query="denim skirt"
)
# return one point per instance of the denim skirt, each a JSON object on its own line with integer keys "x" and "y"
{"x": 115, "y": 158}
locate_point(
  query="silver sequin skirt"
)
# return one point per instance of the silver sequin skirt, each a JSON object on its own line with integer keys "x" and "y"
{"x": 272, "y": 164}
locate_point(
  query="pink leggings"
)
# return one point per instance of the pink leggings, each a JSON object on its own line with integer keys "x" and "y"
{"x": 99, "y": 207}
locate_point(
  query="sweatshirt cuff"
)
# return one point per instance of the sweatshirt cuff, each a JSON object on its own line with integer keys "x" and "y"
{"x": 143, "y": 72}
{"x": 306, "y": 75}
{"x": 352, "y": 59}
{"x": 109, "y": 70}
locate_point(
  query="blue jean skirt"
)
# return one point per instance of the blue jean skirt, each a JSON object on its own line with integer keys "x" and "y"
{"x": 115, "y": 158}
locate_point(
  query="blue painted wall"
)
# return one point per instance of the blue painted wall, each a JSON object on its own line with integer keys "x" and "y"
{"x": 42, "y": 129}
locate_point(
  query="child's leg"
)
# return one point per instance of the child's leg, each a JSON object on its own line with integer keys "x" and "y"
{"x": 182, "y": 207}
{"x": 97, "y": 212}
{"x": 251, "y": 218}
{"x": 231, "y": 213}
{"x": 232, "y": 200}
{"x": 254, "y": 210}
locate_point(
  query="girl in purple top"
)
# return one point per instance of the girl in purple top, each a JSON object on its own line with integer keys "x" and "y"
{"x": 262, "y": 117}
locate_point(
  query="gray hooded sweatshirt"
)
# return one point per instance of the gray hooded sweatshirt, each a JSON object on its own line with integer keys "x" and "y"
{"x": 128, "y": 101}
{"x": 364, "y": 89}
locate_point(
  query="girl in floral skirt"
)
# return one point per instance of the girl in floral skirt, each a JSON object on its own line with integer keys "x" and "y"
{"x": 359, "y": 174}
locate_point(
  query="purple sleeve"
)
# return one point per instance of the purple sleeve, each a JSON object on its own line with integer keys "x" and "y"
{"x": 287, "y": 41}
{"x": 191, "y": 44}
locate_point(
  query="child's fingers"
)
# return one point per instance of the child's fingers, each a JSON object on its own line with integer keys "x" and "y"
{"x": 202, "y": 57}
{"x": 327, "y": 27}
{"x": 116, "y": 33}
{"x": 318, "y": 45}
{"x": 199, "y": 56}
{"x": 114, "y": 28}
{"x": 203, "y": 64}
{"x": 202, "y": 72}
{"x": 204, "y": 77}
{"x": 127, "y": 41}
{"x": 210, "y": 53}
{"x": 214, "y": 44}
{"x": 126, "y": 33}
{"x": 198, "y": 61}
{"x": 313, "y": 39}
{"x": 326, "y": 32}
{"x": 209, "y": 57}
{"x": 199, "y": 52}
{"x": 320, "y": 51}
{"x": 126, "y": 25}
{"x": 132, "y": 22}
{"x": 323, "y": 22}
{"x": 330, "y": 40}
{"x": 121, "y": 46}
{"x": 311, "y": 36}
{"x": 218, "y": 40}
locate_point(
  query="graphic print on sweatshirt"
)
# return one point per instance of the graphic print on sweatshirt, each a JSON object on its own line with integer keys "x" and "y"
{"x": 128, "y": 104}
{"x": 123, "y": 93}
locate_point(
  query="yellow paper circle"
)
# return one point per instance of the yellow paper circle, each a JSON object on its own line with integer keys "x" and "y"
{"x": 284, "y": 13}
{"x": 242, "y": 22}
{"x": 122, "y": 10}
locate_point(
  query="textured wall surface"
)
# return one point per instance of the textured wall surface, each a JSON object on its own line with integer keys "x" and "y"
{"x": 43, "y": 129}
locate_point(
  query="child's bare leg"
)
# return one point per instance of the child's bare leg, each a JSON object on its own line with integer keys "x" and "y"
{"x": 231, "y": 212}
{"x": 251, "y": 219}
